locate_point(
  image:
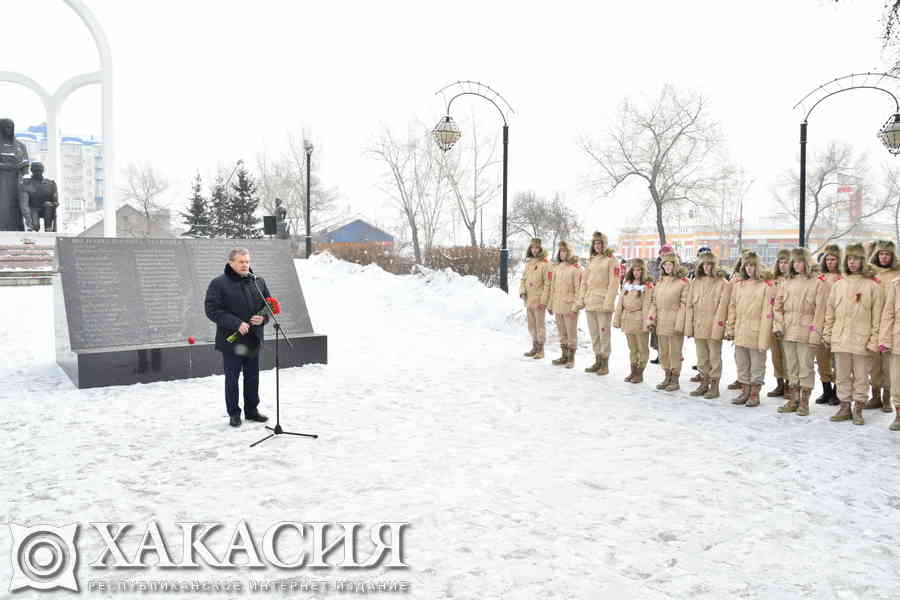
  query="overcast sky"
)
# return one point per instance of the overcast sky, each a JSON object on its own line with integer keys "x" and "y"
{"x": 202, "y": 83}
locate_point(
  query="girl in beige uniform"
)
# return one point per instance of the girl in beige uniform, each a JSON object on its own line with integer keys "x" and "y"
{"x": 707, "y": 309}
{"x": 852, "y": 321}
{"x": 667, "y": 311}
{"x": 534, "y": 290}
{"x": 599, "y": 287}
{"x": 889, "y": 343}
{"x": 797, "y": 329}
{"x": 884, "y": 261}
{"x": 782, "y": 270}
{"x": 749, "y": 324}
{"x": 565, "y": 282}
{"x": 631, "y": 315}
{"x": 830, "y": 268}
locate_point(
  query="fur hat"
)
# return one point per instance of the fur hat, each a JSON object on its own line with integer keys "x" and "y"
{"x": 832, "y": 250}
{"x": 751, "y": 258}
{"x": 707, "y": 258}
{"x": 783, "y": 254}
{"x": 883, "y": 246}
{"x": 535, "y": 242}
{"x": 678, "y": 271}
{"x": 637, "y": 263}
{"x": 570, "y": 258}
{"x": 666, "y": 249}
{"x": 856, "y": 251}
{"x": 804, "y": 255}
{"x": 600, "y": 237}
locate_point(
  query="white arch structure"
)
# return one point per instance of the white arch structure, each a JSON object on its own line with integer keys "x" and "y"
{"x": 53, "y": 104}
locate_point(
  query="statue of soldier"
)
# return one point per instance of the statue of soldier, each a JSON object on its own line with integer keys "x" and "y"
{"x": 13, "y": 165}
{"x": 281, "y": 220}
{"x": 39, "y": 200}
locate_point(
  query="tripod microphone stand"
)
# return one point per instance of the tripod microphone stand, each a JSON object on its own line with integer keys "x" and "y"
{"x": 277, "y": 430}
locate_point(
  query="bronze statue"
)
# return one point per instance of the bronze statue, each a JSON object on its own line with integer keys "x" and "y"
{"x": 13, "y": 165}
{"x": 281, "y": 220}
{"x": 39, "y": 200}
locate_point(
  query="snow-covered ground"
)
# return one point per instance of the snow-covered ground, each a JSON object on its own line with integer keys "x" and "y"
{"x": 518, "y": 479}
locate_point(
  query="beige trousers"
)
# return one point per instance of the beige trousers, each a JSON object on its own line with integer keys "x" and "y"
{"x": 638, "y": 348}
{"x": 880, "y": 375}
{"x": 599, "y": 325}
{"x": 778, "y": 358}
{"x": 536, "y": 327}
{"x": 670, "y": 352}
{"x": 751, "y": 365}
{"x": 709, "y": 357}
{"x": 823, "y": 359}
{"x": 852, "y": 375}
{"x": 895, "y": 379}
{"x": 798, "y": 360}
{"x": 567, "y": 325}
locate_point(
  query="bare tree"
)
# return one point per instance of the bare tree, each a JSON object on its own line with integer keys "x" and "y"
{"x": 416, "y": 181}
{"x": 473, "y": 177}
{"x": 670, "y": 144}
{"x": 143, "y": 185}
{"x": 539, "y": 217}
{"x": 831, "y": 212}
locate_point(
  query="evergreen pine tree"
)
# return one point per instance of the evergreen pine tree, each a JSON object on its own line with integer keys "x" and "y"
{"x": 243, "y": 205}
{"x": 198, "y": 217}
{"x": 219, "y": 210}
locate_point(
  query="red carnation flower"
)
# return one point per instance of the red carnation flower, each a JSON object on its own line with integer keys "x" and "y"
{"x": 191, "y": 340}
{"x": 275, "y": 305}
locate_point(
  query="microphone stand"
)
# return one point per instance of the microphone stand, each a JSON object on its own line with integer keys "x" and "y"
{"x": 277, "y": 430}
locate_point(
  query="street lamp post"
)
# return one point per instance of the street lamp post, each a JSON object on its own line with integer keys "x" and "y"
{"x": 308, "y": 148}
{"x": 889, "y": 132}
{"x": 446, "y": 133}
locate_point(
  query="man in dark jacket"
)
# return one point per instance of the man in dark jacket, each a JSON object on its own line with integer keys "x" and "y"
{"x": 232, "y": 303}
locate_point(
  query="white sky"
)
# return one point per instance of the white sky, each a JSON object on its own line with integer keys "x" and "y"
{"x": 201, "y": 83}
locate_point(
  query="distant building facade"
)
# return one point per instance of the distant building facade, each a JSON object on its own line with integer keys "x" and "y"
{"x": 356, "y": 231}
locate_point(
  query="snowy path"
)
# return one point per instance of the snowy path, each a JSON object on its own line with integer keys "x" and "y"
{"x": 519, "y": 479}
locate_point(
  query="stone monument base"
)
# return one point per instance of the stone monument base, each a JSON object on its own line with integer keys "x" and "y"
{"x": 144, "y": 364}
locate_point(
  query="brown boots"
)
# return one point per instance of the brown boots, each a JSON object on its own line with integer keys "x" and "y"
{"x": 843, "y": 413}
{"x": 778, "y": 391}
{"x": 744, "y": 396}
{"x": 886, "y": 404}
{"x": 594, "y": 367}
{"x": 702, "y": 388}
{"x": 875, "y": 400}
{"x": 803, "y": 408}
{"x": 570, "y": 359}
{"x": 895, "y": 426}
{"x": 665, "y": 382}
{"x": 631, "y": 375}
{"x": 734, "y": 385}
{"x": 793, "y": 401}
{"x": 749, "y": 395}
{"x": 539, "y": 350}
{"x": 564, "y": 358}
{"x": 604, "y": 366}
{"x": 638, "y": 376}
{"x": 673, "y": 381}
{"x": 533, "y": 350}
{"x": 713, "y": 391}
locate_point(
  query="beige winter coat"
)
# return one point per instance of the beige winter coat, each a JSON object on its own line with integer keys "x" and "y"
{"x": 668, "y": 306}
{"x": 600, "y": 283}
{"x": 707, "y": 307}
{"x": 565, "y": 283}
{"x": 796, "y": 317}
{"x": 889, "y": 330}
{"x": 853, "y": 315}
{"x": 750, "y": 313}
{"x": 633, "y": 307}
{"x": 535, "y": 282}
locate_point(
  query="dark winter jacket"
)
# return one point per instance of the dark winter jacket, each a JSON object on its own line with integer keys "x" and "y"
{"x": 232, "y": 300}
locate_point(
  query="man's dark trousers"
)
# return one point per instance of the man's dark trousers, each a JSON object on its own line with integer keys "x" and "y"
{"x": 233, "y": 366}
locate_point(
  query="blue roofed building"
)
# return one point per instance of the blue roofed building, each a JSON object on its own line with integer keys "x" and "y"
{"x": 355, "y": 231}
